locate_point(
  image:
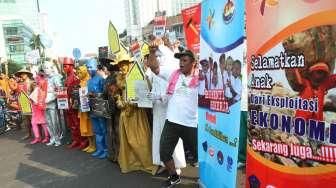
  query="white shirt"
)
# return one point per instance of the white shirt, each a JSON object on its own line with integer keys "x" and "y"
{"x": 237, "y": 87}
{"x": 183, "y": 103}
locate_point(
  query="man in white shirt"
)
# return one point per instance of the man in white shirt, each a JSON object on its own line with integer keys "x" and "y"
{"x": 181, "y": 120}
{"x": 235, "y": 84}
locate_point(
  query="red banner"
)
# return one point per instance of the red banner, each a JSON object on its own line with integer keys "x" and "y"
{"x": 191, "y": 26}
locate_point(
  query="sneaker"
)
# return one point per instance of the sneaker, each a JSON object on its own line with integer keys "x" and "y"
{"x": 172, "y": 181}
{"x": 50, "y": 143}
{"x": 57, "y": 144}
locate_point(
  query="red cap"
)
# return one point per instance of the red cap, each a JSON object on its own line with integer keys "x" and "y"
{"x": 68, "y": 61}
{"x": 321, "y": 66}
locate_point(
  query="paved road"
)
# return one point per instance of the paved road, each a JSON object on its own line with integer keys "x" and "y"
{"x": 23, "y": 166}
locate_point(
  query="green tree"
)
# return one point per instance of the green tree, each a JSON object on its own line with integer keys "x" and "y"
{"x": 13, "y": 67}
{"x": 36, "y": 44}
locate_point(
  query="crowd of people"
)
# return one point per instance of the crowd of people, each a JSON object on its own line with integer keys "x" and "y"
{"x": 152, "y": 140}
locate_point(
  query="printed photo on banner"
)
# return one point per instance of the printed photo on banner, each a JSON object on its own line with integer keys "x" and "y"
{"x": 221, "y": 79}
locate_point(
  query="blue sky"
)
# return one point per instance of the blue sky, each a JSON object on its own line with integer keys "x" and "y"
{"x": 83, "y": 23}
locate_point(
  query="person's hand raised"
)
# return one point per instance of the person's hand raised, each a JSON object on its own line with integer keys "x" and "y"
{"x": 153, "y": 46}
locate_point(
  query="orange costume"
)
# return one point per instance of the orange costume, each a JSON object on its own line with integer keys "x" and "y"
{"x": 84, "y": 120}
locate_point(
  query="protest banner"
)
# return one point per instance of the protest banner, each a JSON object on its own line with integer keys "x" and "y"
{"x": 221, "y": 61}
{"x": 292, "y": 128}
{"x": 191, "y": 26}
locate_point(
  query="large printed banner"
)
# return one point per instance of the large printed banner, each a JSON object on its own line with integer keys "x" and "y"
{"x": 191, "y": 26}
{"x": 221, "y": 61}
{"x": 292, "y": 98}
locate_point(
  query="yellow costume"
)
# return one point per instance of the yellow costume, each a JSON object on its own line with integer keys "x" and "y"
{"x": 134, "y": 132}
{"x": 84, "y": 120}
{"x": 4, "y": 85}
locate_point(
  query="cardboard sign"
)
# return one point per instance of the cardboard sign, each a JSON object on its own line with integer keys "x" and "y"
{"x": 25, "y": 104}
{"x": 62, "y": 103}
{"x": 134, "y": 74}
{"x": 84, "y": 99}
{"x": 62, "y": 98}
{"x": 159, "y": 26}
{"x": 136, "y": 51}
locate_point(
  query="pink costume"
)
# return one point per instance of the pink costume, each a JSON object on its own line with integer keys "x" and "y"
{"x": 38, "y": 97}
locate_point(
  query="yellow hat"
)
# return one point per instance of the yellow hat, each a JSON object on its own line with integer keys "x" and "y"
{"x": 144, "y": 50}
{"x": 122, "y": 57}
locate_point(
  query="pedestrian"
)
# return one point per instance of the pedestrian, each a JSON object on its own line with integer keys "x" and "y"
{"x": 4, "y": 83}
{"x": 182, "y": 118}
{"x": 158, "y": 93}
{"x": 26, "y": 86}
{"x": 135, "y": 151}
{"x": 13, "y": 106}
{"x": 111, "y": 90}
{"x": 85, "y": 125}
{"x": 54, "y": 82}
{"x": 38, "y": 105}
{"x": 72, "y": 119}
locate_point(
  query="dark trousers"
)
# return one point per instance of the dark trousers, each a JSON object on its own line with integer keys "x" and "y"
{"x": 170, "y": 136}
{"x": 242, "y": 137}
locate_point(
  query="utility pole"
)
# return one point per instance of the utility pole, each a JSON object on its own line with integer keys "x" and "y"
{"x": 38, "y": 6}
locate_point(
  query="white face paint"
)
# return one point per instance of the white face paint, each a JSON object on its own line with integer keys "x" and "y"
{"x": 49, "y": 68}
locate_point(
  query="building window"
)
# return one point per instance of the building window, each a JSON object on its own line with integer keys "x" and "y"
{"x": 11, "y": 30}
{"x": 18, "y": 48}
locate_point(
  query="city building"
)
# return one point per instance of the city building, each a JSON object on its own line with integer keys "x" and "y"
{"x": 16, "y": 36}
{"x": 139, "y": 13}
{"x": 178, "y": 5}
{"x": 174, "y": 24}
{"x": 132, "y": 15}
{"x": 26, "y": 10}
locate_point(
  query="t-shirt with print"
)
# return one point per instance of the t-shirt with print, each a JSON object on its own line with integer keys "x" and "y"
{"x": 183, "y": 103}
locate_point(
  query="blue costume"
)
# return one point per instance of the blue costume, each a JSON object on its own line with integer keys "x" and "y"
{"x": 96, "y": 87}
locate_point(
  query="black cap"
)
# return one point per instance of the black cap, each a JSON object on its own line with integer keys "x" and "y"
{"x": 184, "y": 53}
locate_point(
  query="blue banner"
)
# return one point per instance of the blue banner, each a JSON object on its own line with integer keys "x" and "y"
{"x": 221, "y": 61}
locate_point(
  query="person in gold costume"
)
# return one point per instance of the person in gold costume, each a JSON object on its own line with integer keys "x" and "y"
{"x": 134, "y": 132}
{"x": 85, "y": 122}
{"x": 4, "y": 83}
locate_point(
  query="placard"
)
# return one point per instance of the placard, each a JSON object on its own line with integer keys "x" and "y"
{"x": 84, "y": 99}
{"x": 25, "y": 104}
{"x": 134, "y": 74}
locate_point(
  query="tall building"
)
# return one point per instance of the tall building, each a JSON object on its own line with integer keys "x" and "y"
{"x": 26, "y": 10}
{"x": 142, "y": 12}
{"x": 16, "y": 36}
{"x": 178, "y": 5}
{"x": 133, "y": 25}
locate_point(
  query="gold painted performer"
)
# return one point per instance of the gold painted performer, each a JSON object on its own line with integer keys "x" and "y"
{"x": 135, "y": 135}
{"x": 85, "y": 122}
